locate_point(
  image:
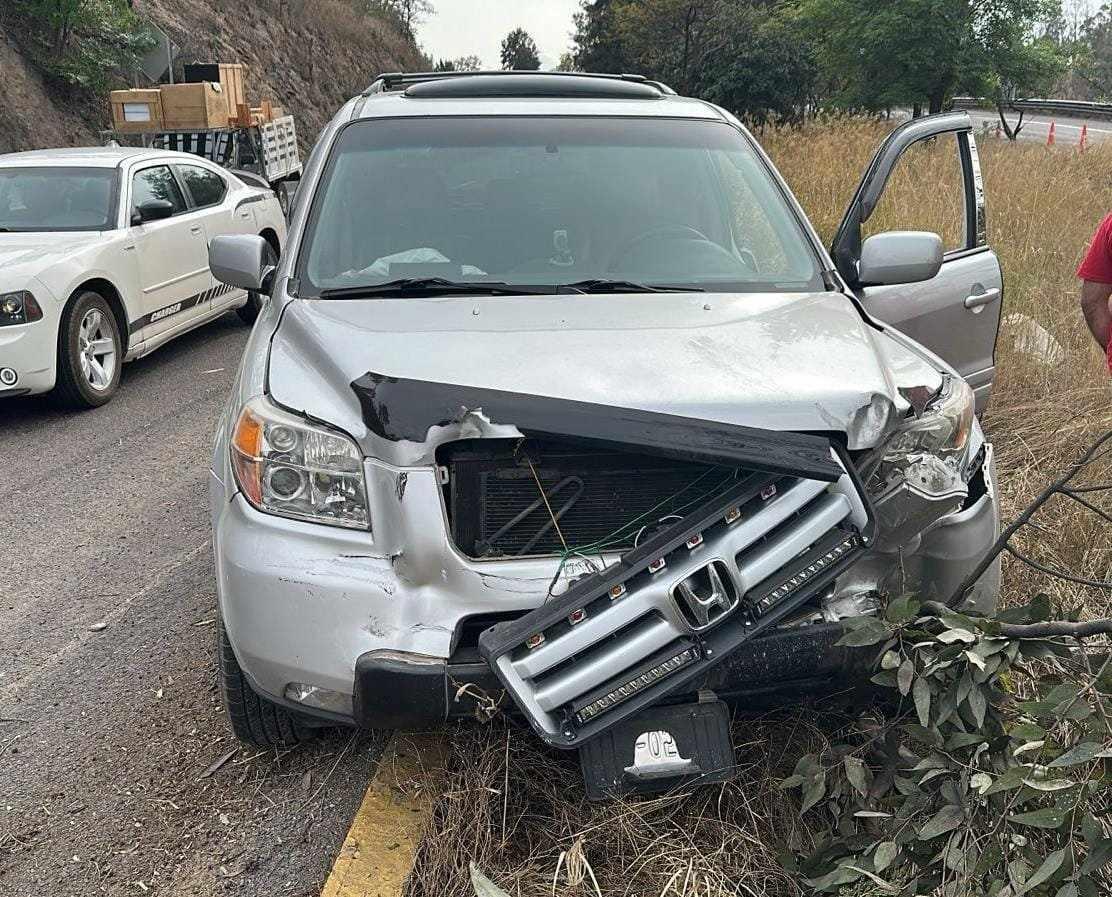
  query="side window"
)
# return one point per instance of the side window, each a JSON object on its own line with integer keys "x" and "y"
{"x": 156, "y": 183}
{"x": 926, "y": 191}
{"x": 206, "y": 187}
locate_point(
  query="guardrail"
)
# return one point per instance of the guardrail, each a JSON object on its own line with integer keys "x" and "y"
{"x": 1070, "y": 108}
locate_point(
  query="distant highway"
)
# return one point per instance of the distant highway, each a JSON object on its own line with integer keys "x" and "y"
{"x": 1036, "y": 127}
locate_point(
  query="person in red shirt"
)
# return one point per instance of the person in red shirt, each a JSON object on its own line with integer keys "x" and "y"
{"x": 1096, "y": 287}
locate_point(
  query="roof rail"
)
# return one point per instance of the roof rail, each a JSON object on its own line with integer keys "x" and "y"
{"x": 394, "y": 81}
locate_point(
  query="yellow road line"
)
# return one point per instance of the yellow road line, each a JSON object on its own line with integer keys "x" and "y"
{"x": 378, "y": 853}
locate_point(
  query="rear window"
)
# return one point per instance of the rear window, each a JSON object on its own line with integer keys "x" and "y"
{"x": 206, "y": 187}
{"x": 550, "y": 201}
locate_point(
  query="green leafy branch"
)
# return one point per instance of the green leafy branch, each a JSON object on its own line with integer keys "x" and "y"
{"x": 992, "y": 776}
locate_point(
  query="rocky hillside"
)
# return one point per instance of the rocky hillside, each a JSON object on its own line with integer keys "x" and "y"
{"x": 305, "y": 55}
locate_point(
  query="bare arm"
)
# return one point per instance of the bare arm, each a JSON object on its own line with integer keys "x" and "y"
{"x": 1098, "y": 312}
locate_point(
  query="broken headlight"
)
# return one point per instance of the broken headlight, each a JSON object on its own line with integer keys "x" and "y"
{"x": 942, "y": 429}
{"x": 287, "y": 466}
{"x": 921, "y": 476}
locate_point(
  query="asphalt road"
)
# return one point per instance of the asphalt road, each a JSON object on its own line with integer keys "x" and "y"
{"x": 1067, "y": 131}
{"x": 109, "y": 712}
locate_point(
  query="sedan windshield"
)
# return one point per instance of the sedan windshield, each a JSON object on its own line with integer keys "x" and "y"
{"x": 593, "y": 204}
{"x": 57, "y": 199}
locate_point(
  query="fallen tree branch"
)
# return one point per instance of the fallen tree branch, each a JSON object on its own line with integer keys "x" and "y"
{"x": 1056, "y": 628}
{"x": 1051, "y": 629}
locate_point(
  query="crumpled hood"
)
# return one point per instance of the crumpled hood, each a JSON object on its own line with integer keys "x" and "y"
{"x": 801, "y": 362}
{"x": 25, "y": 255}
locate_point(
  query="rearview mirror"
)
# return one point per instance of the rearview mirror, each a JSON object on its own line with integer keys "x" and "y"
{"x": 242, "y": 260}
{"x": 899, "y": 256}
{"x": 153, "y": 210}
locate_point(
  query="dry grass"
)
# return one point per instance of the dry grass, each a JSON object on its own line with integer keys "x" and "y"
{"x": 514, "y": 808}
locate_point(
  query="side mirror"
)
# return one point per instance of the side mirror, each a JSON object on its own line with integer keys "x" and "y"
{"x": 243, "y": 260}
{"x": 899, "y": 256}
{"x": 153, "y": 210}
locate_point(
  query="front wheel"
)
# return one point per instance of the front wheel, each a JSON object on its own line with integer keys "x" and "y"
{"x": 90, "y": 353}
{"x": 252, "y": 718}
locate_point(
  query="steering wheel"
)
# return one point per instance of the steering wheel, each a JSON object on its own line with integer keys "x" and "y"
{"x": 669, "y": 231}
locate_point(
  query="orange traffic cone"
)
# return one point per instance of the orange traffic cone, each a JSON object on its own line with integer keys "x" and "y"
{"x": 1084, "y": 136}
{"x": 1050, "y": 136}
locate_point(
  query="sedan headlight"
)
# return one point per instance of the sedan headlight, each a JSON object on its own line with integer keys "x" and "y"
{"x": 18, "y": 308}
{"x": 942, "y": 429}
{"x": 287, "y": 466}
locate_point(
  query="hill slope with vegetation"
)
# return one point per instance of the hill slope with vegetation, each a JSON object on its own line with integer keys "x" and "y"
{"x": 61, "y": 57}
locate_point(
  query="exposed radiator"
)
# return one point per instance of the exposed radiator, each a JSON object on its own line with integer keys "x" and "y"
{"x": 599, "y": 498}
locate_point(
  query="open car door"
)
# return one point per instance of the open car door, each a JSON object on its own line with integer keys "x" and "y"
{"x": 955, "y": 314}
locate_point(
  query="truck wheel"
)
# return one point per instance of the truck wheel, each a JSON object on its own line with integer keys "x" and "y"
{"x": 90, "y": 353}
{"x": 253, "y": 719}
{"x": 250, "y": 312}
{"x": 282, "y": 191}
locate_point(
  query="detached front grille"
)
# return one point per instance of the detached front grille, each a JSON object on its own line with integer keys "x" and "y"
{"x": 602, "y": 500}
{"x": 686, "y": 596}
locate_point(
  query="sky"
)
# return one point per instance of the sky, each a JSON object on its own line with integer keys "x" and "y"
{"x": 466, "y": 27}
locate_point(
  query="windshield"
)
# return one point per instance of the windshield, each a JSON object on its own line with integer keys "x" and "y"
{"x": 57, "y": 199}
{"x": 551, "y": 201}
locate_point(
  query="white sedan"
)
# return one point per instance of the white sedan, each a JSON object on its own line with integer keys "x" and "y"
{"x": 104, "y": 257}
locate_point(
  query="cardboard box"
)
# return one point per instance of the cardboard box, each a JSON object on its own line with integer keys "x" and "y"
{"x": 194, "y": 107}
{"x": 230, "y": 76}
{"x": 136, "y": 111}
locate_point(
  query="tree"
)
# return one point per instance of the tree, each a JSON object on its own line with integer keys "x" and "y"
{"x": 672, "y": 39}
{"x": 519, "y": 51}
{"x": 1092, "y": 64}
{"x": 596, "y": 44}
{"x": 763, "y": 68}
{"x": 86, "y": 41}
{"x": 467, "y": 63}
{"x": 918, "y": 52}
{"x": 750, "y": 57}
{"x": 1015, "y": 66}
{"x": 408, "y": 13}
{"x": 459, "y": 64}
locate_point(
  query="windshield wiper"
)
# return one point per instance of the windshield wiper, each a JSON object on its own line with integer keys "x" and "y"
{"x": 605, "y": 285}
{"x": 434, "y": 286}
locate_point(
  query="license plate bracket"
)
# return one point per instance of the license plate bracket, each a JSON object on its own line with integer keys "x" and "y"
{"x": 658, "y": 749}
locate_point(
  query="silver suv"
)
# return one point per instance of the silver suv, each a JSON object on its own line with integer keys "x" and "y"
{"x": 559, "y": 403}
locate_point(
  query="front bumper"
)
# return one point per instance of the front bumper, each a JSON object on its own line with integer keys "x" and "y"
{"x": 30, "y": 351}
{"x": 309, "y": 604}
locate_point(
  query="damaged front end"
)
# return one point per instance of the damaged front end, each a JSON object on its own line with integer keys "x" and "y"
{"x": 686, "y": 554}
{"x": 694, "y": 537}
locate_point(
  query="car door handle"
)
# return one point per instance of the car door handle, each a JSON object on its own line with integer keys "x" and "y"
{"x": 196, "y": 229}
{"x": 976, "y": 300}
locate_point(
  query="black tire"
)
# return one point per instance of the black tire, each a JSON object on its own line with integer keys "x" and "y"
{"x": 249, "y": 313}
{"x": 73, "y": 387}
{"x": 282, "y": 191}
{"x": 252, "y": 718}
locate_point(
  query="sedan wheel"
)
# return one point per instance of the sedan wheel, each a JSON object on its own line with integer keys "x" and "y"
{"x": 97, "y": 344}
{"x": 90, "y": 353}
